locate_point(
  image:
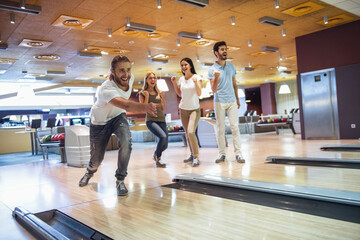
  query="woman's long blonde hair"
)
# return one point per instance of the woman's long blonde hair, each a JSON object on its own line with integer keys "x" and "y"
{"x": 145, "y": 87}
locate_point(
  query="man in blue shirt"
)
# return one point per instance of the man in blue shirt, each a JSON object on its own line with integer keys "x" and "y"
{"x": 223, "y": 84}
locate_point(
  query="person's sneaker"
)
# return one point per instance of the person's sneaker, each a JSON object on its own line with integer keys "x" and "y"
{"x": 159, "y": 163}
{"x": 220, "y": 159}
{"x": 240, "y": 158}
{"x": 121, "y": 188}
{"x": 189, "y": 159}
{"x": 154, "y": 157}
{"x": 195, "y": 162}
{"x": 85, "y": 179}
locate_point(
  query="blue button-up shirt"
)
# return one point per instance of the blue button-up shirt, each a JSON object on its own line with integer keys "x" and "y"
{"x": 225, "y": 91}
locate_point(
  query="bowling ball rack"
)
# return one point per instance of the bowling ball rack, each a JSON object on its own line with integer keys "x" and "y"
{"x": 329, "y": 203}
{"x": 312, "y": 161}
{"x": 54, "y": 224}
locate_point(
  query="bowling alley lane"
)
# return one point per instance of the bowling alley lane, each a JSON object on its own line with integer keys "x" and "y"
{"x": 150, "y": 210}
{"x": 164, "y": 213}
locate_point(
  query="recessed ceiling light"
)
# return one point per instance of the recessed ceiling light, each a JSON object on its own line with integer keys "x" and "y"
{"x": 47, "y": 57}
{"x": 72, "y": 22}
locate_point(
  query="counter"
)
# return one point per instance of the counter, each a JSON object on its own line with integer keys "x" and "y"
{"x": 10, "y": 142}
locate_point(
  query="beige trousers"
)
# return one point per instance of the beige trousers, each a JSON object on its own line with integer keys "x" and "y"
{"x": 190, "y": 120}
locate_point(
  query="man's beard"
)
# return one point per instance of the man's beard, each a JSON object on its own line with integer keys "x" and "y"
{"x": 223, "y": 57}
{"x": 117, "y": 80}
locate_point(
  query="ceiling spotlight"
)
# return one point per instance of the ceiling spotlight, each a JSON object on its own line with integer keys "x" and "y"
{"x": 249, "y": 43}
{"x": 12, "y": 18}
{"x": 280, "y": 57}
{"x": 276, "y": 3}
{"x": 22, "y": 4}
{"x": 109, "y": 32}
{"x": 128, "y": 22}
{"x": 149, "y": 54}
{"x": 85, "y": 47}
{"x": 197, "y": 59}
{"x": 232, "y": 20}
{"x": 249, "y": 64}
{"x": 283, "y": 33}
{"x": 198, "y": 34}
{"x": 178, "y": 42}
{"x": 326, "y": 20}
{"x": 159, "y": 4}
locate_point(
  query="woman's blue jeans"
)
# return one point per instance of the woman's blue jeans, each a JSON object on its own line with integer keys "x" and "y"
{"x": 159, "y": 129}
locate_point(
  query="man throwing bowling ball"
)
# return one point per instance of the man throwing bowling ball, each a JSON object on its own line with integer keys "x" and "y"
{"x": 108, "y": 115}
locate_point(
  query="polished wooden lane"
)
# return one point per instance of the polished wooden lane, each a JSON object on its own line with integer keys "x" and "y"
{"x": 162, "y": 213}
{"x": 175, "y": 214}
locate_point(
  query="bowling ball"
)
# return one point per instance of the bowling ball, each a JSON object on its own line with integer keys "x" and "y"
{"x": 171, "y": 128}
{"x": 276, "y": 120}
{"x": 48, "y": 138}
{"x": 61, "y": 137}
{"x": 181, "y": 128}
{"x": 176, "y": 128}
{"x": 212, "y": 114}
{"x": 269, "y": 120}
{"x": 53, "y": 137}
{"x": 284, "y": 119}
{"x": 43, "y": 139}
{"x": 260, "y": 121}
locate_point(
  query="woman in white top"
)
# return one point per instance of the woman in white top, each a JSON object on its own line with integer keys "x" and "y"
{"x": 189, "y": 89}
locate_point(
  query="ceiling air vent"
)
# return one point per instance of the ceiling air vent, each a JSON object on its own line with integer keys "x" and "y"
{"x": 247, "y": 69}
{"x": 155, "y": 60}
{"x": 16, "y": 7}
{"x": 189, "y": 35}
{"x": 271, "y": 21}
{"x": 89, "y": 54}
{"x": 270, "y": 49}
{"x": 196, "y": 3}
{"x": 3, "y": 46}
{"x": 52, "y": 72}
{"x": 205, "y": 65}
{"x": 44, "y": 78}
{"x": 140, "y": 27}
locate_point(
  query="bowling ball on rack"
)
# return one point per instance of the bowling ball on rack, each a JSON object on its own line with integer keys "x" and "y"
{"x": 181, "y": 128}
{"x": 284, "y": 119}
{"x": 260, "y": 121}
{"x": 269, "y": 120}
{"x": 61, "y": 137}
{"x": 48, "y": 138}
{"x": 276, "y": 120}
{"x": 43, "y": 139}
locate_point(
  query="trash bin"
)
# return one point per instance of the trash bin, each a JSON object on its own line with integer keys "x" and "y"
{"x": 77, "y": 145}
